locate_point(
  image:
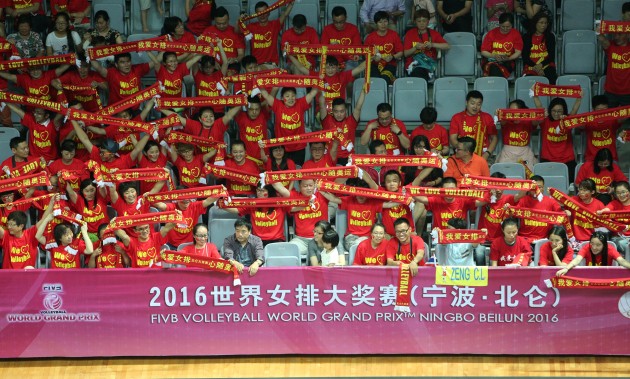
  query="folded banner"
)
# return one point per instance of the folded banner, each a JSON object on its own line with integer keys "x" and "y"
{"x": 343, "y": 189}
{"x": 603, "y": 284}
{"x": 30, "y": 200}
{"x": 403, "y": 292}
{"x": 461, "y": 236}
{"x": 168, "y": 121}
{"x": 208, "y": 40}
{"x": 321, "y": 136}
{"x": 448, "y": 192}
{"x": 270, "y": 202}
{"x": 230, "y": 174}
{"x": 542, "y": 89}
{"x": 579, "y": 210}
{"x": 299, "y": 81}
{"x": 189, "y": 102}
{"x": 125, "y": 222}
{"x": 93, "y": 118}
{"x": 68, "y": 215}
{"x": 311, "y": 173}
{"x": 27, "y": 169}
{"x": 534, "y": 114}
{"x": 149, "y": 44}
{"x": 27, "y": 181}
{"x": 399, "y": 160}
{"x": 550, "y": 217}
{"x": 82, "y": 92}
{"x": 612, "y": 27}
{"x": 242, "y": 82}
{"x": 601, "y": 116}
{"x": 35, "y": 102}
{"x": 199, "y": 261}
{"x": 241, "y": 21}
{"x": 498, "y": 183}
{"x": 133, "y": 100}
{"x": 17, "y": 64}
{"x": 179, "y": 137}
{"x": 187, "y": 194}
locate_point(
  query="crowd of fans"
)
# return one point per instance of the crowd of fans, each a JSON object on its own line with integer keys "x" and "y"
{"x": 379, "y": 231}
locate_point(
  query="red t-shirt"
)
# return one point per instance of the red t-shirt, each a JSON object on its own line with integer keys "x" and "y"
{"x": 443, "y": 211}
{"x": 209, "y": 250}
{"x": 361, "y": 217}
{"x": 385, "y": 134}
{"x": 264, "y": 42}
{"x": 337, "y": 85}
{"x": 437, "y": 136}
{"x": 387, "y": 45}
{"x": 309, "y": 36}
{"x": 20, "y": 252}
{"x": 81, "y": 152}
{"x": 413, "y": 38}
{"x": 583, "y": 228}
{"x": 493, "y": 214}
{"x": 215, "y": 132}
{"x": 518, "y": 253}
{"x": 604, "y": 179}
{"x": 465, "y": 125}
{"x": 238, "y": 188}
{"x": 142, "y": 253}
{"x": 89, "y": 101}
{"x": 348, "y": 127}
{"x": 585, "y": 252}
{"x": 534, "y": 230}
{"x": 556, "y": 146}
{"x": 617, "y": 71}
{"x": 538, "y": 53}
{"x": 366, "y": 255}
{"x": 601, "y": 136}
{"x": 616, "y": 205}
{"x": 404, "y": 253}
{"x": 200, "y": 17}
{"x": 64, "y": 257}
{"x": 147, "y": 184}
{"x": 122, "y": 86}
{"x": 6, "y": 211}
{"x": 349, "y": 35}
{"x": 75, "y": 165}
{"x": 173, "y": 82}
{"x": 518, "y": 133}
{"x": 324, "y": 162}
{"x": 42, "y": 138}
{"x": 290, "y": 166}
{"x": 94, "y": 215}
{"x": 40, "y": 87}
{"x": 183, "y": 232}
{"x": 21, "y": 4}
{"x": 122, "y": 163}
{"x": 232, "y": 41}
{"x": 251, "y": 131}
{"x": 109, "y": 258}
{"x": 546, "y": 256}
{"x": 496, "y": 42}
{"x": 290, "y": 121}
{"x": 268, "y": 226}
{"x": 306, "y": 219}
{"x": 206, "y": 86}
{"x": 389, "y": 215}
{"x": 190, "y": 172}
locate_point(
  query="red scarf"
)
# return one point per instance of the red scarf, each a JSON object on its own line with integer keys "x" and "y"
{"x": 534, "y": 114}
{"x": 232, "y": 174}
{"x": 461, "y": 236}
{"x": 175, "y": 137}
{"x": 271, "y": 202}
{"x": 207, "y": 263}
{"x": 499, "y": 183}
{"x": 27, "y": 169}
{"x": 445, "y": 192}
{"x": 125, "y": 222}
{"x": 578, "y": 209}
{"x": 602, "y": 284}
{"x": 27, "y": 181}
{"x": 616, "y": 215}
{"x": 241, "y": 21}
{"x": 612, "y": 27}
{"x": 290, "y": 81}
{"x": 32, "y": 101}
{"x": 93, "y": 118}
{"x": 150, "y": 44}
{"x": 189, "y": 102}
{"x": 187, "y": 194}
{"x": 403, "y": 292}
{"x": 398, "y": 160}
{"x": 133, "y": 100}
{"x": 542, "y": 89}
{"x": 243, "y": 80}
{"x": 550, "y": 217}
{"x": 365, "y": 192}
{"x": 603, "y": 115}
{"x": 39, "y": 61}
{"x": 311, "y": 173}
{"x": 322, "y": 136}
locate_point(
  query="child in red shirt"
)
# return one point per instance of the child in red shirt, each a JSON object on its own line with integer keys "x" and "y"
{"x": 512, "y": 249}
{"x": 597, "y": 252}
{"x": 69, "y": 250}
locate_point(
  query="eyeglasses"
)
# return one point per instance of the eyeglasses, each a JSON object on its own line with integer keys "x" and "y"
{"x": 201, "y": 236}
{"x": 399, "y": 232}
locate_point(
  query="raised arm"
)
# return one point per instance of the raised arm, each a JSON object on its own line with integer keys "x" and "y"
{"x": 137, "y": 150}
{"x": 286, "y": 13}
{"x": 17, "y": 110}
{"x": 311, "y": 95}
{"x": 89, "y": 247}
{"x": 356, "y": 112}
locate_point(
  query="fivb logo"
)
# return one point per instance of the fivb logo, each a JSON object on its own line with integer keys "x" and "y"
{"x": 52, "y": 298}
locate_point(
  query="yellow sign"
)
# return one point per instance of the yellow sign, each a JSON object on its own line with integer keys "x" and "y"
{"x": 472, "y": 276}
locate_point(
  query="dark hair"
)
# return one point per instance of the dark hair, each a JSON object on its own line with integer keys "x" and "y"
{"x": 240, "y": 222}
{"x": 587, "y": 184}
{"x": 202, "y": 110}
{"x": 400, "y": 221}
{"x": 197, "y": 226}
{"x": 422, "y": 13}
{"x": 15, "y": 141}
{"x": 537, "y": 178}
{"x": 117, "y": 57}
{"x": 19, "y": 218}
{"x": 474, "y": 94}
{"x": 428, "y": 115}
{"x": 283, "y": 163}
{"x": 537, "y": 17}
{"x": 339, "y": 11}
{"x": 101, "y": 14}
{"x": 247, "y": 60}
{"x": 599, "y": 100}
{"x": 206, "y": 59}
{"x": 221, "y": 12}
{"x": 260, "y": 4}
{"x": 123, "y": 187}
{"x": 623, "y": 184}
{"x": 384, "y": 107}
{"x": 377, "y": 223}
{"x": 374, "y": 144}
{"x": 338, "y": 101}
{"x": 449, "y": 179}
{"x": 507, "y": 16}
{"x": 149, "y": 145}
{"x": 170, "y": 23}
{"x": 420, "y": 138}
{"x": 558, "y": 101}
{"x": 287, "y": 89}
{"x": 332, "y": 61}
{"x": 381, "y": 15}
{"x": 237, "y": 142}
{"x": 83, "y": 185}
{"x": 393, "y": 172}
{"x": 469, "y": 143}
{"x": 562, "y": 233}
{"x": 168, "y": 54}
{"x": 602, "y": 156}
{"x": 519, "y": 103}
{"x": 325, "y": 225}
{"x": 604, "y": 240}
{"x": 253, "y": 100}
{"x": 60, "y": 230}
{"x": 498, "y": 175}
{"x": 25, "y": 18}
{"x": 457, "y": 223}
{"x": 299, "y": 21}
{"x": 331, "y": 236}
{"x": 509, "y": 221}
{"x": 101, "y": 228}
{"x": 625, "y": 7}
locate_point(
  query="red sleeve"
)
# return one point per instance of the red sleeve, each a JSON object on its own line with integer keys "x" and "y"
{"x": 494, "y": 249}
{"x": 545, "y": 254}
{"x": 583, "y": 173}
{"x": 486, "y": 44}
{"x": 491, "y": 128}
{"x": 455, "y": 124}
{"x": 437, "y": 37}
{"x": 618, "y": 175}
{"x": 141, "y": 69}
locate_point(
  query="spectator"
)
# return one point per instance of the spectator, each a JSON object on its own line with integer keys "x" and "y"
{"x": 362, "y": 213}
{"x": 517, "y": 137}
{"x": 36, "y": 82}
{"x": 388, "y": 46}
{"x": 512, "y": 249}
{"x": 391, "y": 8}
{"x": 535, "y": 230}
{"x": 90, "y": 203}
{"x": 419, "y": 175}
{"x": 435, "y": 133}
{"x": 539, "y": 49}
{"x": 68, "y": 162}
{"x": 597, "y": 252}
{"x": 557, "y": 251}
{"x": 171, "y": 73}
{"x": 70, "y": 249}
{"x": 604, "y": 172}
{"x": 583, "y": 227}
{"x": 421, "y": 46}
{"x": 174, "y": 27}
{"x": 243, "y": 249}
{"x": 339, "y": 120}
{"x": 240, "y": 163}
{"x": 426, "y": 5}
{"x": 145, "y": 250}
{"x": 621, "y": 203}
{"x": 200, "y": 245}
{"x": 79, "y": 11}
{"x": 371, "y": 252}
{"x": 466, "y": 161}
{"x": 387, "y": 129}
{"x": 405, "y": 249}
{"x": 108, "y": 255}
{"x": 29, "y": 44}
{"x": 42, "y": 140}
{"x": 316, "y": 245}
{"x": 231, "y": 41}
{"x": 200, "y": 15}
{"x": 207, "y": 74}
{"x": 265, "y": 35}
{"x": 330, "y": 255}
{"x": 21, "y": 154}
{"x": 341, "y": 32}
{"x": 527, "y": 9}
{"x": 601, "y": 134}
{"x": 84, "y": 77}
{"x": 102, "y": 29}
{"x": 279, "y": 162}
{"x": 456, "y": 15}
{"x": 300, "y": 34}
{"x": 473, "y": 122}
{"x": 500, "y": 48}
{"x": 457, "y": 254}
{"x": 62, "y": 40}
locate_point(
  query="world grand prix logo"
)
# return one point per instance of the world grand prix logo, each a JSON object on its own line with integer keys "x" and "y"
{"x": 53, "y": 305}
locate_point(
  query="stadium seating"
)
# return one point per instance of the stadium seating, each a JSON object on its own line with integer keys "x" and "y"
{"x": 510, "y": 170}
{"x": 495, "y": 93}
{"x": 556, "y": 175}
{"x": 6, "y": 134}
{"x": 116, "y": 11}
{"x": 611, "y": 9}
{"x": 461, "y": 59}
{"x": 279, "y": 254}
{"x": 522, "y": 86}
{"x": 310, "y": 9}
{"x": 377, "y": 95}
{"x": 155, "y": 20}
{"x": 579, "y": 53}
{"x": 449, "y": 97}
{"x": 409, "y": 96}
{"x": 577, "y": 15}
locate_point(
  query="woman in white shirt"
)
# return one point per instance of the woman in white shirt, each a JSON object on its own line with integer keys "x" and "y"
{"x": 57, "y": 41}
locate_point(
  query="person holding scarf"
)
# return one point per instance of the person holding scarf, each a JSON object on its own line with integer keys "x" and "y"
{"x": 420, "y": 47}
